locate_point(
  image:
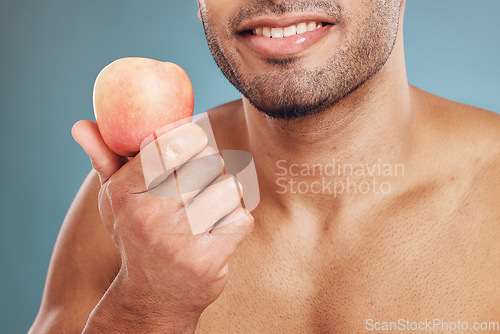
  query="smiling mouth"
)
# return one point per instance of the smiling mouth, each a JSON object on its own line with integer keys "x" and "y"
{"x": 285, "y": 32}
{"x": 270, "y": 38}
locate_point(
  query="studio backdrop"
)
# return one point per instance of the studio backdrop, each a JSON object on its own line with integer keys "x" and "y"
{"x": 52, "y": 50}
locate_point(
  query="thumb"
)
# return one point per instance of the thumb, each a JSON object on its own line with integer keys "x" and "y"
{"x": 104, "y": 161}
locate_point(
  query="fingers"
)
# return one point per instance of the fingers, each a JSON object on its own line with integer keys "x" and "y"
{"x": 235, "y": 215}
{"x": 104, "y": 161}
{"x": 161, "y": 157}
{"x": 236, "y": 225}
{"x": 230, "y": 233}
{"x": 192, "y": 177}
{"x": 217, "y": 201}
{"x": 199, "y": 172}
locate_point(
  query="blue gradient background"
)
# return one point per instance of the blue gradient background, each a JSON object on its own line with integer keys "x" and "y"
{"x": 52, "y": 50}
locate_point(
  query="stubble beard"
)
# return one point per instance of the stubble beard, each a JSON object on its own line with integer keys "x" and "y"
{"x": 291, "y": 92}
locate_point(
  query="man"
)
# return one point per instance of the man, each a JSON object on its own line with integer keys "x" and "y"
{"x": 338, "y": 245}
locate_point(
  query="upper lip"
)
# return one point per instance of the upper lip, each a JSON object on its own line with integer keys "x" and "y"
{"x": 285, "y": 21}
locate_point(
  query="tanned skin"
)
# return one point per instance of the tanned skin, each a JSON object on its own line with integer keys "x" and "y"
{"x": 317, "y": 263}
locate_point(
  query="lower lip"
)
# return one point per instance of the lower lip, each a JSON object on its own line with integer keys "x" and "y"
{"x": 287, "y": 46}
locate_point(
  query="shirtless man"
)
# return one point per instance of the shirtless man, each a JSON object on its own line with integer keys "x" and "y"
{"x": 425, "y": 246}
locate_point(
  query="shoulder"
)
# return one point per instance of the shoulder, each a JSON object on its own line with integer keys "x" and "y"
{"x": 465, "y": 144}
{"x": 460, "y": 128}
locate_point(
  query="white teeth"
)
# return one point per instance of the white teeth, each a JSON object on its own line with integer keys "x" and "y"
{"x": 266, "y": 32}
{"x": 300, "y": 28}
{"x": 289, "y": 31}
{"x": 277, "y": 32}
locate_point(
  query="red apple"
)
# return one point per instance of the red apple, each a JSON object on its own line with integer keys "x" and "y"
{"x": 134, "y": 97}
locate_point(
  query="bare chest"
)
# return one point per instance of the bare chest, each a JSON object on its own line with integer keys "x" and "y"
{"x": 399, "y": 264}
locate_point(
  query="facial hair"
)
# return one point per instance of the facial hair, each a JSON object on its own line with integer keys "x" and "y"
{"x": 290, "y": 91}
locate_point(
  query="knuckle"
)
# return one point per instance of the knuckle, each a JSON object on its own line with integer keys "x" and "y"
{"x": 186, "y": 139}
{"x": 214, "y": 161}
{"x": 250, "y": 223}
{"x": 239, "y": 187}
{"x": 201, "y": 269}
{"x": 232, "y": 183}
{"x": 142, "y": 220}
{"x": 209, "y": 150}
{"x": 173, "y": 151}
{"x": 223, "y": 272}
{"x": 199, "y": 133}
{"x": 226, "y": 177}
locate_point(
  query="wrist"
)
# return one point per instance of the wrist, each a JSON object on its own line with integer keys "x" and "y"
{"x": 119, "y": 311}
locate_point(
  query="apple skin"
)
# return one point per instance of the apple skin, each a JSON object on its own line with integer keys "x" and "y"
{"x": 136, "y": 97}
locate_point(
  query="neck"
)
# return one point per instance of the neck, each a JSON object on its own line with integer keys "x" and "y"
{"x": 371, "y": 126}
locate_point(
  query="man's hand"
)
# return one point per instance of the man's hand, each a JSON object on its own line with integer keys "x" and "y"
{"x": 168, "y": 275}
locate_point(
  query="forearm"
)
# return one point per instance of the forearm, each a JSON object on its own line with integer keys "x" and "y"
{"x": 118, "y": 312}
